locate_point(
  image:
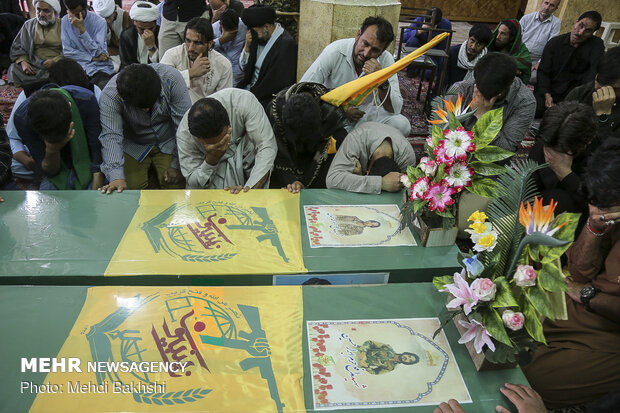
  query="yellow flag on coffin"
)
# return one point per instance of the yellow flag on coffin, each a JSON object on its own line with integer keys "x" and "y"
{"x": 354, "y": 92}
{"x": 225, "y": 349}
{"x": 212, "y": 232}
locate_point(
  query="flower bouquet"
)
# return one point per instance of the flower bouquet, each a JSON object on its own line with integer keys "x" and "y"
{"x": 457, "y": 159}
{"x": 511, "y": 279}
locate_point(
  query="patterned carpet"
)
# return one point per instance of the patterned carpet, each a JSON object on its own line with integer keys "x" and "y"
{"x": 8, "y": 96}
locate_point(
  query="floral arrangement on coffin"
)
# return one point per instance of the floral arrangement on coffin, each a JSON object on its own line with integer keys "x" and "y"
{"x": 457, "y": 159}
{"x": 510, "y": 280}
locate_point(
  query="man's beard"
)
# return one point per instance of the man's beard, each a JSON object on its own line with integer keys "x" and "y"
{"x": 501, "y": 46}
{"x": 46, "y": 23}
{"x": 264, "y": 38}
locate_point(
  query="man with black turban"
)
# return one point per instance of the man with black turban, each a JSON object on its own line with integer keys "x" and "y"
{"x": 269, "y": 58}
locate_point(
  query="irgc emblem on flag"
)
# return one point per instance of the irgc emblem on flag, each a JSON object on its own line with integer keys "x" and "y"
{"x": 194, "y": 349}
{"x": 215, "y": 231}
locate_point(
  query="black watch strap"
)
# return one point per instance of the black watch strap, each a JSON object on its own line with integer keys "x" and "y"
{"x": 587, "y": 294}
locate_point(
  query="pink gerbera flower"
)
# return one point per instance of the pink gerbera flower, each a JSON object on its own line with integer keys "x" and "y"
{"x": 459, "y": 175}
{"x": 429, "y": 142}
{"x": 419, "y": 187}
{"x": 441, "y": 156}
{"x": 439, "y": 196}
{"x": 427, "y": 165}
{"x": 458, "y": 142}
{"x": 477, "y": 332}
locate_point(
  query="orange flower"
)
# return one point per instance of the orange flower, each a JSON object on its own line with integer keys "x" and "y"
{"x": 443, "y": 116}
{"x": 540, "y": 218}
{"x": 453, "y": 109}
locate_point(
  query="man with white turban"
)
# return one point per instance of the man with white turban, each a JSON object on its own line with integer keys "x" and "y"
{"x": 138, "y": 43}
{"x": 37, "y": 45}
{"x": 117, "y": 20}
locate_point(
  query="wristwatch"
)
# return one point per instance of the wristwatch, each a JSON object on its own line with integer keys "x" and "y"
{"x": 385, "y": 85}
{"x": 588, "y": 293}
{"x": 603, "y": 118}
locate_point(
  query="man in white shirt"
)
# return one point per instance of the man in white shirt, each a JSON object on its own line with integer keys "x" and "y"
{"x": 347, "y": 59}
{"x": 204, "y": 70}
{"x": 537, "y": 29}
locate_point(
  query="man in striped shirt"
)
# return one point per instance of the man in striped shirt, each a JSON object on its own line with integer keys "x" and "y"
{"x": 141, "y": 108}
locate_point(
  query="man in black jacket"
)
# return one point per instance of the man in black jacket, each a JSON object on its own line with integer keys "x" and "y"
{"x": 270, "y": 54}
{"x": 568, "y": 60}
{"x": 138, "y": 43}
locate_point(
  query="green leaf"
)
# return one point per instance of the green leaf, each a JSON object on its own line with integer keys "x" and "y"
{"x": 539, "y": 300}
{"x": 502, "y": 354}
{"x": 487, "y": 168}
{"x": 453, "y": 122}
{"x": 413, "y": 172}
{"x": 566, "y": 233}
{"x": 446, "y": 213}
{"x": 513, "y": 187}
{"x": 532, "y": 323}
{"x": 445, "y": 316}
{"x": 417, "y": 205}
{"x": 489, "y": 265}
{"x": 437, "y": 134}
{"x": 448, "y": 223}
{"x": 492, "y": 154}
{"x": 503, "y": 294}
{"x": 487, "y": 127}
{"x": 495, "y": 326}
{"x": 551, "y": 279}
{"x": 440, "y": 282}
{"x": 485, "y": 187}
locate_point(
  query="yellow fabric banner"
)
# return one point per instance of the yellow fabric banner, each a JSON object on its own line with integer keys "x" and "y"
{"x": 212, "y": 232}
{"x": 354, "y": 92}
{"x": 189, "y": 349}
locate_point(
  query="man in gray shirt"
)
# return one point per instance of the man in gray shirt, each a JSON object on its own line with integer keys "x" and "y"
{"x": 141, "y": 108}
{"x": 371, "y": 159}
{"x": 226, "y": 142}
{"x": 495, "y": 86}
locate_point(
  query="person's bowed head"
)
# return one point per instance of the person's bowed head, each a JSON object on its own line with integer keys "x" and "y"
{"x": 139, "y": 86}
{"x": 209, "y": 123}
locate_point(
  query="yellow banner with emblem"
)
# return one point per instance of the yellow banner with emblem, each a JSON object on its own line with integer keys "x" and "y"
{"x": 212, "y": 232}
{"x": 189, "y": 349}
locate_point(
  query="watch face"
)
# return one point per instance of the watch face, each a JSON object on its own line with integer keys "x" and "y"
{"x": 588, "y": 292}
